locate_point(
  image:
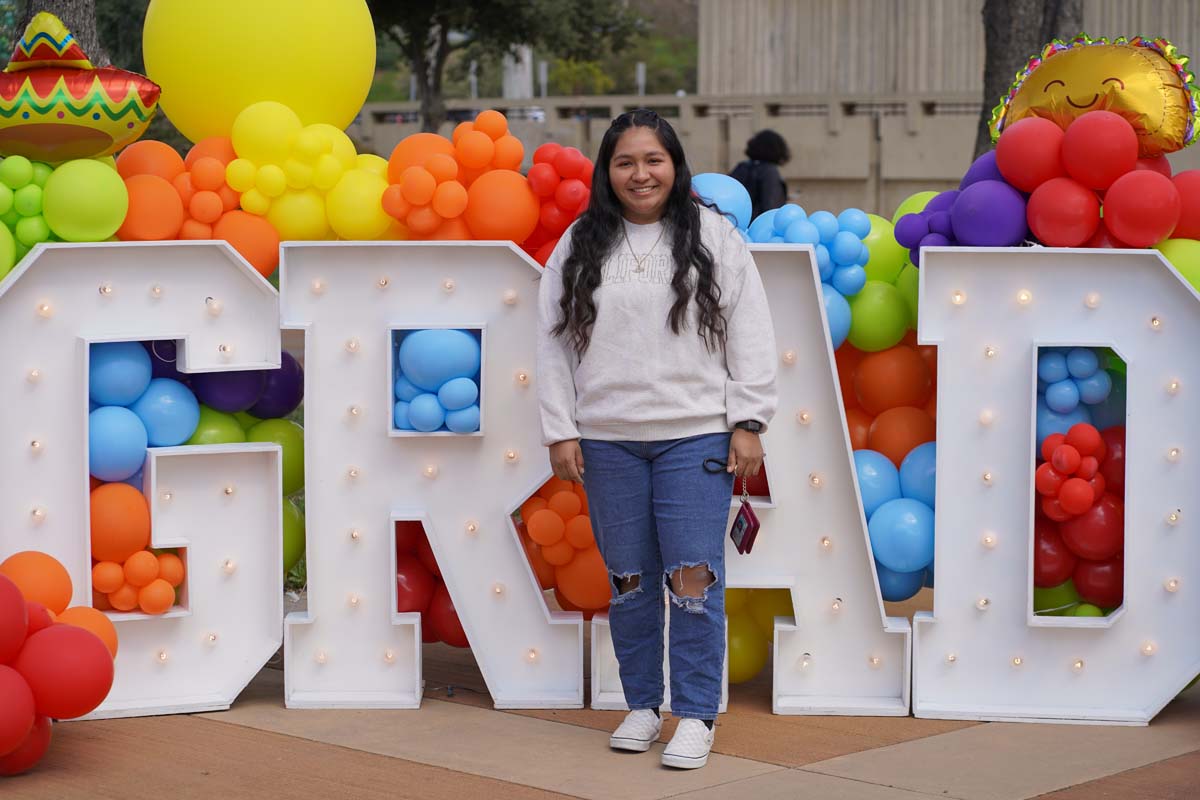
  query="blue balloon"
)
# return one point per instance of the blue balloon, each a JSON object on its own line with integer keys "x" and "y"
{"x": 855, "y": 221}
{"x": 400, "y": 416}
{"x": 898, "y": 586}
{"x": 849, "y": 280}
{"x": 169, "y": 411}
{"x": 837, "y": 313}
{"x": 136, "y": 479}
{"x": 458, "y": 393}
{"x": 878, "y": 480}
{"x": 405, "y": 390}
{"x": 1041, "y": 386}
{"x": 763, "y": 226}
{"x": 425, "y": 413}
{"x": 432, "y": 356}
{"x": 118, "y": 373}
{"x": 1082, "y": 362}
{"x": 801, "y": 232}
{"x": 826, "y": 223}
{"x": 787, "y": 214}
{"x": 846, "y": 248}
{"x": 776, "y": 240}
{"x": 1062, "y": 396}
{"x": 116, "y": 443}
{"x": 1112, "y": 410}
{"x": 824, "y": 262}
{"x": 1094, "y": 388}
{"x": 902, "y": 535}
{"x": 465, "y": 420}
{"x": 1052, "y": 366}
{"x": 929, "y": 572}
{"x": 727, "y": 194}
{"x": 917, "y": 473}
{"x": 1049, "y": 422}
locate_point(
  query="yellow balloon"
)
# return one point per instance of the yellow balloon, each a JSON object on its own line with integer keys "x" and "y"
{"x": 735, "y": 600}
{"x": 767, "y": 604}
{"x": 214, "y": 58}
{"x": 372, "y": 163}
{"x": 354, "y": 206}
{"x": 255, "y": 202}
{"x": 327, "y": 172}
{"x": 338, "y": 144}
{"x": 240, "y": 174}
{"x": 299, "y": 174}
{"x": 271, "y": 180}
{"x": 748, "y": 649}
{"x": 299, "y": 216}
{"x": 263, "y": 132}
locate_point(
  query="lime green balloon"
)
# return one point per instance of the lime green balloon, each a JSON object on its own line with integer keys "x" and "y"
{"x": 290, "y": 437}
{"x": 887, "y": 255}
{"x": 879, "y": 317}
{"x": 1057, "y": 600}
{"x": 8, "y": 251}
{"x": 84, "y": 201}
{"x": 31, "y": 230}
{"x": 245, "y": 420}
{"x": 217, "y": 427}
{"x": 1184, "y": 255}
{"x": 16, "y": 171}
{"x": 10, "y": 217}
{"x": 6, "y": 199}
{"x": 908, "y": 283}
{"x": 293, "y": 535}
{"x": 1086, "y": 610}
{"x": 28, "y": 200}
{"x": 913, "y": 204}
{"x": 42, "y": 172}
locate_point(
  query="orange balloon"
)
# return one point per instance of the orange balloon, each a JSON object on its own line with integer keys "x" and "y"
{"x": 542, "y": 570}
{"x": 100, "y": 601}
{"x": 141, "y": 568}
{"x": 567, "y": 605}
{"x": 107, "y": 576}
{"x": 120, "y": 522}
{"x": 206, "y": 206}
{"x": 170, "y": 568}
{"x": 509, "y": 153}
{"x": 148, "y": 157}
{"x": 892, "y": 378}
{"x": 566, "y": 504}
{"x": 92, "y": 620}
{"x": 468, "y": 176}
{"x": 579, "y": 532}
{"x": 183, "y": 187}
{"x": 846, "y": 358}
{"x": 230, "y": 200}
{"x": 452, "y": 230}
{"x": 531, "y": 505}
{"x": 553, "y": 486}
{"x": 208, "y": 174}
{"x": 859, "y": 423}
{"x": 460, "y": 129}
{"x": 450, "y": 199}
{"x": 157, "y": 597}
{"x": 931, "y": 407}
{"x": 124, "y": 599}
{"x": 218, "y": 147}
{"x": 928, "y": 354}
{"x": 253, "y": 237}
{"x": 415, "y": 150}
{"x": 418, "y": 185}
{"x": 500, "y": 205}
{"x": 195, "y": 229}
{"x": 579, "y": 490}
{"x": 491, "y": 122}
{"x": 584, "y": 580}
{"x": 545, "y": 527}
{"x": 422, "y": 221}
{"x": 898, "y": 430}
{"x": 394, "y": 204}
{"x": 40, "y": 577}
{"x": 155, "y": 211}
{"x": 559, "y": 553}
{"x": 474, "y": 149}
{"x": 443, "y": 167}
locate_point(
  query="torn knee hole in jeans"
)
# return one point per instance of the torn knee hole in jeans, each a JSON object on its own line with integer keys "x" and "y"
{"x": 626, "y": 584}
{"x": 690, "y": 584}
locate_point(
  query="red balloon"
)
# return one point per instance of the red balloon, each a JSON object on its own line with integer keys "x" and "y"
{"x": 1188, "y": 184}
{"x": 569, "y": 162}
{"x": 1098, "y": 484}
{"x": 69, "y": 669}
{"x": 14, "y": 621}
{"x": 1063, "y": 213}
{"x": 428, "y": 634}
{"x": 1049, "y": 443}
{"x": 554, "y": 219}
{"x": 1085, "y": 438}
{"x": 1088, "y": 467}
{"x": 545, "y": 251}
{"x": 570, "y": 194}
{"x": 543, "y": 179}
{"x": 1028, "y": 153}
{"x": 444, "y": 618}
{"x": 1112, "y": 465}
{"x": 414, "y": 584}
{"x": 39, "y": 617}
{"x": 425, "y": 553}
{"x": 409, "y": 534}
{"x": 1075, "y": 497}
{"x": 1101, "y": 583}
{"x": 1142, "y": 208}
{"x": 1099, "y": 532}
{"x": 1054, "y": 510}
{"x": 545, "y": 153}
{"x": 1065, "y": 459}
{"x": 30, "y": 751}
{"x": 1098, "y": 148}
{"x": 1103, "y": 238}
{"x": 1157, "y": 164}
{"x": 16, "y": 709}
{"x": 1053, "y": 562}
{"x": 1047, "y": 480}
{"x": 586, "y": 175}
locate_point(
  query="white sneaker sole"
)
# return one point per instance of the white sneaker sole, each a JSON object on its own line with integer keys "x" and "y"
{"x": 684, "y": 762}
{"x": 631, "y": 745}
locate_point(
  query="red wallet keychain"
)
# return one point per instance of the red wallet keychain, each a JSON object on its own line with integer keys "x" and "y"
{"x": 745, "y": 524}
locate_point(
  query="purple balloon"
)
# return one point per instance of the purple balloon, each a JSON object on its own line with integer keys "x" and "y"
{"x": 942, "y": 202}
{"x": 989, "y": 214}
{"x": 914, "y": 256}
{"x": 162, "y": 361}
{"x": 229, "y": 391}
{"x": 939, "y": 222}
{"x": 910, "y": 228}
{"x": 283, "y": 390}
{"x": 984, "y": 169}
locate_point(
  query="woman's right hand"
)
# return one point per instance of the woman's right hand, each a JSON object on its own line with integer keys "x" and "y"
{"x": 566, "y": 458}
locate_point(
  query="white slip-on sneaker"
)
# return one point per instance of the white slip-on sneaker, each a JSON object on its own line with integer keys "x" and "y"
{"x": 688, "y": 748}
{"x": 639, "y": 730}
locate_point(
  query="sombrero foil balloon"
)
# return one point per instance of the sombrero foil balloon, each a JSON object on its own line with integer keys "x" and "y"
{"x": 55, "y": 106}
{"x": 1146, "y": 81}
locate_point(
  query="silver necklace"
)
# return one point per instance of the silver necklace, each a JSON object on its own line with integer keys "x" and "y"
{"x": 642, "y": 260}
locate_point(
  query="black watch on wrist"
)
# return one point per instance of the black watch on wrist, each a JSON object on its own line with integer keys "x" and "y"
{"x": 752, "y": 425}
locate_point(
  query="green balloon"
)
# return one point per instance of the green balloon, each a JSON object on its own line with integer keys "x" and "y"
{"x": 913, "y": 204}
{"x": 10, "y": 217}
{"x": 908, "y": 283}
{"x": 6, "y": 199}
{"x": 28, "y": 200}
{"x": 84, "y": 201}
{"x": 1184, "y": 255}
{"x": 1055, "y": 601}
{"x": 1086, "y": 610}
{"x": 293, "y": 535}
{"x": 290, "y": 437}
{"x": 245, "y": 420}
{"x": 879, "y": 317}
{"x": 887, "y": 256}
{"x": 41, "y": 172}
{"x": 16, "y": 171}
{"x": 217, "y": 427}
{"x": 8, "y": 251}
{"x": 31, "y": 230}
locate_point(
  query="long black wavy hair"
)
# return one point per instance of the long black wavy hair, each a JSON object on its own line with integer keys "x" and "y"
{"x": 598, "y": 230}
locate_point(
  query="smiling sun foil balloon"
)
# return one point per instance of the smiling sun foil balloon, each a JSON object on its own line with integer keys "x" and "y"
{"x": 55, "y": 106}
{"x": 1146, "y": 81}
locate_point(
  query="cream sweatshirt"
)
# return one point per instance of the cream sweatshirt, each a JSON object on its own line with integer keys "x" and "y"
{"x": 639, "y": 381}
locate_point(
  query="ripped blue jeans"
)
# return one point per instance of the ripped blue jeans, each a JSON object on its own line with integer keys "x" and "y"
{"x": 656, "y": 512}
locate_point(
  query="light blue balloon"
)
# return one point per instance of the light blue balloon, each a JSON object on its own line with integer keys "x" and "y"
{"x": 727, "y": 194}
{"x": 1094, "y": 388}
{"x": 763, "y": 226}
{"x": 1052, "y": 366}
{"x": 169, "y": 411}
{"x": 118, "y": 373}
{"x": 849, "y": 280}
{"x": 776, "y": 240}
{"x": 898, "y": 586}
{"x": 878, "y": 480}
{"x": 826, "y": 223}
{"x": 136, "y": 479}
{"x": 116, "y": 443}
{"x": 1112, "y": 410}
{"x": 801, "y": 232}
{"x": 425, "y": 413}
{"x": 465, "y": 420}
{"x": 824, "y": 262}
{"x": 855, "y": 221}
{"x": 837, "y": 314}
{"x": 745, "y": 234}
{"x": 846, "y": 248}
{"x": 1062, "y": 396}
{"x": 1049, "y": 422}
{"x": 787, "y": 214}
{"x": 400, "y": 416}
{"x": 430, "y": 357}
{"x": 864, "y": 255}
{"x": 405, "y": 390}
{"x": 1082, "y": 362}
{"x": 918, "y": 473}
{"x": 458, "y": 393}
{"x": 902, "y": 535}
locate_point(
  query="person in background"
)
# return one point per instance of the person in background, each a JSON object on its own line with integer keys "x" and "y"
{"x": 766, "y": 152}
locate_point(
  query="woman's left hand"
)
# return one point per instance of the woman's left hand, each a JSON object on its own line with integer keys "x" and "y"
{"x": 745, "y": 453}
